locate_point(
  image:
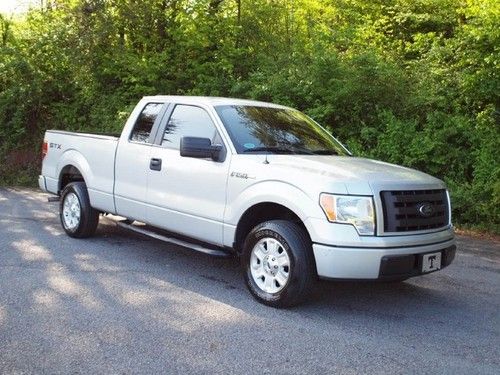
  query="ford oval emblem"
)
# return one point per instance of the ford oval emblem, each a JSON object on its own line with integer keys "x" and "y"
{"x": 425, "y": 209}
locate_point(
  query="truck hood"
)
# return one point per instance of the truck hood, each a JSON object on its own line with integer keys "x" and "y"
{"x": 354, "y": 171}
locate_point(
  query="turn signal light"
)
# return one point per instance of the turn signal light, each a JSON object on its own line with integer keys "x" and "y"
{"x": 327, "y": 203}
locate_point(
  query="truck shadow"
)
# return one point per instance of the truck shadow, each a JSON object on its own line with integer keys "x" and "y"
{"x": 221, "y": 279}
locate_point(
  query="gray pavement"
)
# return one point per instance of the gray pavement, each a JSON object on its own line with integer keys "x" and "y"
{"x": 123, "y": 303}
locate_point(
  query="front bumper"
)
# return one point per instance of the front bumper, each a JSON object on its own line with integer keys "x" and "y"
{"x": 334, "y": 262}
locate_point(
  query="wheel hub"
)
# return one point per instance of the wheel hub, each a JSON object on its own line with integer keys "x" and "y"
{"x": 270, "y": 265}
{"x": 71, "y": 211}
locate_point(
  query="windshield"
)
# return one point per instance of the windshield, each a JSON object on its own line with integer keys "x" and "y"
{"x": 255, "y": 129}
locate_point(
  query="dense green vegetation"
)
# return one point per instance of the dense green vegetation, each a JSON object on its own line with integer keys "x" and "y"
{"x": 414, "y": 82}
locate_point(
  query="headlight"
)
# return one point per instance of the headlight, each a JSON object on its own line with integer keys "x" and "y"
{"x": 350, "y": 209}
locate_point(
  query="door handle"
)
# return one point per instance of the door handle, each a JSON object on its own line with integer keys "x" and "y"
{"x": 155, "y": 164}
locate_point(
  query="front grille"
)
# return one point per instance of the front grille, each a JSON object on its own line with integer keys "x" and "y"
{"x": 414, "y": 210}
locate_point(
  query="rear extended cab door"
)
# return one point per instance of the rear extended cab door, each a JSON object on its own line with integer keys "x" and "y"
{"x": 132, "y": 160}
{"x": 187, "y": 195}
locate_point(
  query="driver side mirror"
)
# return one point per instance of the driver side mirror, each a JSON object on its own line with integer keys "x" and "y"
{"x": 201, "y": 148}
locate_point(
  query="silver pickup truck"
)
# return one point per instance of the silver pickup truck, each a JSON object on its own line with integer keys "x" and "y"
{"x": 259, "y": 180}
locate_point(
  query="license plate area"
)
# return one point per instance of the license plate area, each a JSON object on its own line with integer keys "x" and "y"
{"x": 430, "y": 262}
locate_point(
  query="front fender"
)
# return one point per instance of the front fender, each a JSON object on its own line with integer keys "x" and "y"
{"x": 272, "y": 191}
{"x": 269, "y": 191}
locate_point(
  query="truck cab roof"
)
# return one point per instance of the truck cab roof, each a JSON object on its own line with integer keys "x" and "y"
{"x": 211, "y": 100}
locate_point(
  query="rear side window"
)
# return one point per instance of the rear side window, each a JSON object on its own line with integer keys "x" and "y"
{"x": 145, "y": 121}
{"x": 189, "y": 121}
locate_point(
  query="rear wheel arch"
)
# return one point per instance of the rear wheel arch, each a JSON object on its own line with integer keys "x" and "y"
{"x": 69, "y": 173}
{"x": 73, "y": 167}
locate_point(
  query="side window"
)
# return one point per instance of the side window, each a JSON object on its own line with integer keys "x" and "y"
{"x": 144, "y": 123}
{"x": 188, "y": 121}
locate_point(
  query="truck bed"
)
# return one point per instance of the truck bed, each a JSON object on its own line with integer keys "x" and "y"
{"x": 95, "y": 156}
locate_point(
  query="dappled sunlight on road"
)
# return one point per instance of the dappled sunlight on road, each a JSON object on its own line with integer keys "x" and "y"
{"x": 3, "y": 315}
{"x": 92, "y": 263}
{"x": 54, "y": 231}
{"x": 47, "y": 299}
{"x": 30, "y": 251}
{"x": 59, "y": 280}
{"x": 166, "y": 303}
{"x": 30, "y": 209}
{"x": 11, "y": 224}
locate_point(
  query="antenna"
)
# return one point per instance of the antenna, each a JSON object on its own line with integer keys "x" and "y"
{"x": 266, "y": 161}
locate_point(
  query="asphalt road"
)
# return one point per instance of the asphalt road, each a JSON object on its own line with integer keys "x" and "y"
{"x": 123, "y": 303}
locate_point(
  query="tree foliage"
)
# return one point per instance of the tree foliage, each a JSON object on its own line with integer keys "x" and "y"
{"x": 414, "y": 82}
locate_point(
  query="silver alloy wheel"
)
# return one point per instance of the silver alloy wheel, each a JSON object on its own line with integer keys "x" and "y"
{"x": 71, "y": 211}
{"x": 270, "y": 265}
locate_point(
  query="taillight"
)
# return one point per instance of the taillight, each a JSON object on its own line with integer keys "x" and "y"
{"x": 45, "y": 148}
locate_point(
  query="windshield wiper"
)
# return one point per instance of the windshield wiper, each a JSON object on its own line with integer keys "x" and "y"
{"x": 275, "y": 149}
{"x": 288, "y": 149}
{"x": 325, "y": 152}
{"x": 302, "y": 150}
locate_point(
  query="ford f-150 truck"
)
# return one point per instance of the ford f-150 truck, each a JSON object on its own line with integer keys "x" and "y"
{"x": 259, "y": 180}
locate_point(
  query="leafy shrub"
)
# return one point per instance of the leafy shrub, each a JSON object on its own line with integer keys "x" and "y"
{"x": 409, "y": 82}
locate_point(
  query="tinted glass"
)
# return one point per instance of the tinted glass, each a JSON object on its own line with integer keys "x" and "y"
{"x": 145, "y": 121}
{"x": 188, "y": 121}
{"x": 279, "y": 130}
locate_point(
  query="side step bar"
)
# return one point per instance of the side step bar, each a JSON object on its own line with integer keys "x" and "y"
{"x": 193, "y": 246}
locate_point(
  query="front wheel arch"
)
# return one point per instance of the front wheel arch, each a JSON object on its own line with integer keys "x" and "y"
{"x": 262, "y": 212}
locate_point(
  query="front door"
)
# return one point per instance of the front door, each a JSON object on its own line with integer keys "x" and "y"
{"x": 187, "y": 195}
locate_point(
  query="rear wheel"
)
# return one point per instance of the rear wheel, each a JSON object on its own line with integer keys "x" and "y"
{"x": 278, "y": 263}
{"x": 78, "y": 218}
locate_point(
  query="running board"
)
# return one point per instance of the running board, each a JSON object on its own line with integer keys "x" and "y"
{"x": 172, "y": 240}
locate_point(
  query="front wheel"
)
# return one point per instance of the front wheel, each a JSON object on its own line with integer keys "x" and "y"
{"x": 78, "y": 218}
{"x": 278, "y": 263}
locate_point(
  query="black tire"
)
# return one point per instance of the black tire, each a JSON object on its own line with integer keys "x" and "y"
{"x": 302, "y": 269}
{"x": 89, "y": 217}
